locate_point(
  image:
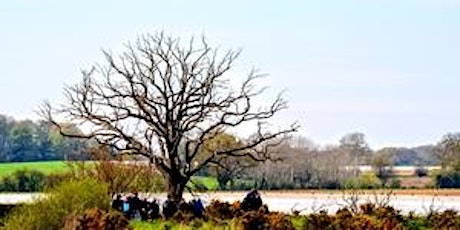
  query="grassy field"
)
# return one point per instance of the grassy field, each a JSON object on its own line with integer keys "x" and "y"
{"x": 161, "y": 224}
{"x": 209, "y": 182}
{"x": 50, "y": 167}
{"x": 47, "y": 167}
{"x": 200, "y": 225}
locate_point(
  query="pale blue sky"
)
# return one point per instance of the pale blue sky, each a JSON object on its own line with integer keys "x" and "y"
{"x": 390, "y": 69}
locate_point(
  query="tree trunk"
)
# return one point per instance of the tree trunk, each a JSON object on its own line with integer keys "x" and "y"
{"x": 176, "y": 187}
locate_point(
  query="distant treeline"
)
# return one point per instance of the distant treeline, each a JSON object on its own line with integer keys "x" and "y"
{"x": 26, "y": 140}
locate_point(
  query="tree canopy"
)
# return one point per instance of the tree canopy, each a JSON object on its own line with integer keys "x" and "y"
{"x": 163, "y": 99}
{"x": 26, "y": 140}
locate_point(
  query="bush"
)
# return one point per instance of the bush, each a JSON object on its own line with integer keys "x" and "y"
{"x": 364, "y": 181}
{"x": 97, "y": 219}
{"x": 255, "y": 220}
{"x": 264, "y": 220}
{"x": 394, "y": 183}
{"x": 50, "y": 212}
{"x": 445, "y": 220}
{"x": 448, "y": 179}
{"x": 55, "y": 179}
{"x": 119, "y": 176}
{"x": 5, "y": 209}
{"x": 218, "y": 210}
{"x": 239, "y": 185}
{"x": 369, "y": 217}
{"x": 421, "y": 172}
{"x": 24, "y": 181}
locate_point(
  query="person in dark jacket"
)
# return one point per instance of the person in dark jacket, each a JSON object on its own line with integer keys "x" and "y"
{"x": 117, "y": 203}
{"x": 252, "y": 201}
{"x": 169, "y": 208}
{"x": 198, "y": 208}
{"x": 153, "y": 210}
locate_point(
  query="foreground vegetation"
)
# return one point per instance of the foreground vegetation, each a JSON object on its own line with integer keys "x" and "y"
{"x": 83, "y": 203}
{"x": 385, "y": 218}
{"x": 69, "y": 198}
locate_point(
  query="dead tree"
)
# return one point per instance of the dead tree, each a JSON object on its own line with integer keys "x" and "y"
{"x": 162, "y": 100}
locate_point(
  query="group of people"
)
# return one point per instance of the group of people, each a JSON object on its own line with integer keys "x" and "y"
{"x": 133, "y": 207}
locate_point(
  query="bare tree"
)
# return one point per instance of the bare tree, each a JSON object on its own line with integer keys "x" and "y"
{"x": 162, "y": 100}
{"x": 357, "y": 148}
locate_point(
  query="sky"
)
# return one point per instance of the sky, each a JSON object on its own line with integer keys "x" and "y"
{"x": 388, "y": 69}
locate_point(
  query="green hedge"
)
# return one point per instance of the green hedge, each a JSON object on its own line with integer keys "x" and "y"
{"x": 24, "y": 181}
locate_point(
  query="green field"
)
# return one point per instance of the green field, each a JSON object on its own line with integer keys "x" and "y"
{"x": 47, "y": 167}
{"x": 209, "y": 182}
{"x": 297, "y": 221}
{"x": 162, "y": 224}
{"x": 51, "y": 167}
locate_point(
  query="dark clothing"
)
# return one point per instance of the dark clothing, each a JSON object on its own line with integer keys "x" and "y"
{"x": 153, "y": 210}
{"x": 117, "y": 204}
{"x": 169, "y": 208}
{"x": 252, "y": 201}
{"x": 134, "y": 206}
{"x": 135, "y": 203}
{"x": 198, "y": 208}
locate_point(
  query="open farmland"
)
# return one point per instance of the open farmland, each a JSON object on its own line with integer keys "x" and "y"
{"x": 47, "y": 167}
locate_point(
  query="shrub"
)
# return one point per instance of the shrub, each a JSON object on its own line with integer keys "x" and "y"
{"x": 118, "y": 175}
{"x": 184, "y": 213}
{"x": 263, "y": 219}
{"x": 445, "y": 220}
{"x": 218, "y": 210}
{"x": 394, "y": 183}
{"x": 319, "y": 221}
{"x": 448, "y": 179}
{"x": 5, "y": 209}
{"x": 97, "y": 219}
{"x": 364, "y": 181}
{"x": 23, "y": 181}
{"x": 279, "y": 221}
{"x": 368, "y": 217}
{"x": 421, "y": 172}
{"x": 50, "y": 212}
{"x": 255, "y": 220}
{"x": 55, "y": 179}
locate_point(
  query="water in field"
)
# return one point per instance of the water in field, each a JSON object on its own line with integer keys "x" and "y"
{"x": 306, "y": 203}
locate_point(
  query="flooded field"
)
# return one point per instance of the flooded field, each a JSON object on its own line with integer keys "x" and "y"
{"x": 309, "y": 201}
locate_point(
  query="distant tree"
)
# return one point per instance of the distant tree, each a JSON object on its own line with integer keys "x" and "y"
{"x": 226, "y": 168}
{"x": 357, "y": 148}
{"x": 301, "y": 142}
{"x": 382, "y": 163}
{"x": 448, "y": 151}
{"x": 163, "y": 100}
{"x": 28, "y": 140}
{"x": 62, "y": 147}
{"x": 302, "y": 168}
{"x": 5, "y": 126}
{"x": 22, "y": 141}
